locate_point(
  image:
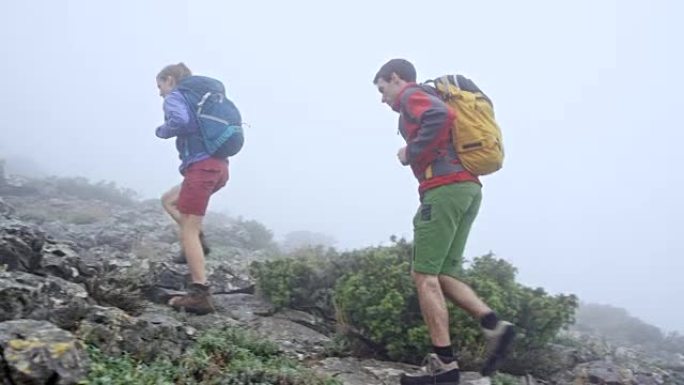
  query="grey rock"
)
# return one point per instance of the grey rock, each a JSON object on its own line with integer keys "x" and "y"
{"x": 24, "y": 295}
{"x": 292, "y": 337}
{"x": 602, "y": 372}
{"x": 61, "y": 260}
{"x": 37, "y": 352}
{"x": 242, "y": 307}
{"x": 145, "y": 337}
{"x": 6, "y": 210}
{"x": 222, "y": 278}
{"x": 353, "y": 371}
{"x": 306, "y": 319}
{"x": 192, "y": 324}
{"x": 20, "y": 247}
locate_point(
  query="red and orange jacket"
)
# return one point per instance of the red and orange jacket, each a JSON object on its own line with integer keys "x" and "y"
{"x": 425, "y": 122}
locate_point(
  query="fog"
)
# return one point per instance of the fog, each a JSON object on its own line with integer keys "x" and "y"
{"x": 588, "y": 95}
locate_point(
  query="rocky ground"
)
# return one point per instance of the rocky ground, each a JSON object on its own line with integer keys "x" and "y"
{"x": 80, "y": 272}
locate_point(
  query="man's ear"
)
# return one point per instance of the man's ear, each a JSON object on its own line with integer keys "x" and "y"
{"x": 394, "y": 77}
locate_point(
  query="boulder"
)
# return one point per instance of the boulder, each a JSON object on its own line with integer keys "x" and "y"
{"x": 38, "y": 352}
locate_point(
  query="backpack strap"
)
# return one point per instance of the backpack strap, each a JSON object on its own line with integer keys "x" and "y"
{"x": 454, "y": 80}
{"x": 444, "y": 82}
{"x": 201, "y": 103}
{"x": 402, "y": 103}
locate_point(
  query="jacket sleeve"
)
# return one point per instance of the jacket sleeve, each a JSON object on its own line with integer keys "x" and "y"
{"x": 176, "y": 117}
{"x": 432, "y": 116}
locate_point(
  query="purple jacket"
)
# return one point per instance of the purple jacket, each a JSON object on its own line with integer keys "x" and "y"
{"x": 180, "y": 122}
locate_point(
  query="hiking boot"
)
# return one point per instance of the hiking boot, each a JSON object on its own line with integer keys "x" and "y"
{"x": 180, "y": 258}
{"x": 196, "y": 301}
{"x": 498, "y": 343}
{"x": 434, "y": 372}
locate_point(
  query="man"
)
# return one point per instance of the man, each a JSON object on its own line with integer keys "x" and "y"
{"x": 450, "y": 200}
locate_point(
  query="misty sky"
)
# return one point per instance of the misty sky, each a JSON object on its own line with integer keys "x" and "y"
{"x": 588, "y": 95}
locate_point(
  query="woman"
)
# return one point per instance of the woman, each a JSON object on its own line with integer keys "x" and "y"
{"x": 203, "y": 175}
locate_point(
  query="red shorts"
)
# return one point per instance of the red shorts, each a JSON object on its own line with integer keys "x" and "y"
{"x": 201, "y": 180}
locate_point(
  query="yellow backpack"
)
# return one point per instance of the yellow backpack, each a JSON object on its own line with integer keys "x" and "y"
{"x": 475, "y": 134}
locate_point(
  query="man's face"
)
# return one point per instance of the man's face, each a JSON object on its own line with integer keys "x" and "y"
{"x": 390, "y": 89}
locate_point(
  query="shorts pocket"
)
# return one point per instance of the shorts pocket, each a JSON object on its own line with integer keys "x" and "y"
{"x": 425, "y": 212}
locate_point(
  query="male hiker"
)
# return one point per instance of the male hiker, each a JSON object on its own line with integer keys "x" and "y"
{"x": 207, "y": 129}
{"x": 450, "y": 200}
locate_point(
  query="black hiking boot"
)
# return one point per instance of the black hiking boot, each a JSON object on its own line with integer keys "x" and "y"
{"x": 499, "y": 341}
{"x": 197, "y": 300}
{"x": 434, "y": 372}
{"x": 180, "y": 258}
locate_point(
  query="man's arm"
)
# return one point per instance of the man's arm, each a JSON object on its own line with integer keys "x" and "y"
{"x": 176, "y": 117}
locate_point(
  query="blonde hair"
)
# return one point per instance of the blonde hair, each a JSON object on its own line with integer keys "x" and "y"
{"x": 177, "y": 71}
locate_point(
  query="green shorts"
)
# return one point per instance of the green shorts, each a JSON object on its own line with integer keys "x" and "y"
{"x": 441, "y": 227}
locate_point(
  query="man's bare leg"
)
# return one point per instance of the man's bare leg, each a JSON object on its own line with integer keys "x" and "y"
{"x": 500, "y": 334}
{"x": 463, "y": 296}
{"x": 433, "y": 307}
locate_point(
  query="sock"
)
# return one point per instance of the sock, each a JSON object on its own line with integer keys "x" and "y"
{"x": 445, "y": 353}
{"x": 489, "y": 321}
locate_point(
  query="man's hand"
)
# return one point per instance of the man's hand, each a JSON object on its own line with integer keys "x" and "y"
{"x": 401, "y": 154}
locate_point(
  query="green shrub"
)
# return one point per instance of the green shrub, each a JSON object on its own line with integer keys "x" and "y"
{"x": 504, "y": 379}
{"x": 222, "y": 356}
{"x": 124, "y": 370}
{"x": 379, "y": 300}
{"x": 674, "y": 343}
{"x": 376, "y": 302}
{"x": 78, "y": 215}
{"x": 304, "y": 283}
{"x": 372, "y": 295}
{"x": 618, "y": 326}
{"x": 82, "y": 188}
{"x": 86, "y": 215}
{"x": 258, "y": 236}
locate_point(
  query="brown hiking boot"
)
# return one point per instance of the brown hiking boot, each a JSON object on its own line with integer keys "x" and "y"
{"x": 196, "y": 301}
{"x": 499, "y": 342}
{"x": 434, "y": 372}
{"x": 180, "y": 258}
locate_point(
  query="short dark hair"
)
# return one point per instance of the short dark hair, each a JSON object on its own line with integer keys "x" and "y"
{"x": 402, "y": 67}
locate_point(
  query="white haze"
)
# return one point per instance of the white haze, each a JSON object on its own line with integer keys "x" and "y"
{"x": 587, "y": 93}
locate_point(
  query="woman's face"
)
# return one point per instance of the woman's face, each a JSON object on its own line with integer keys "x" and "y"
{"x": 166, "y": 86}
